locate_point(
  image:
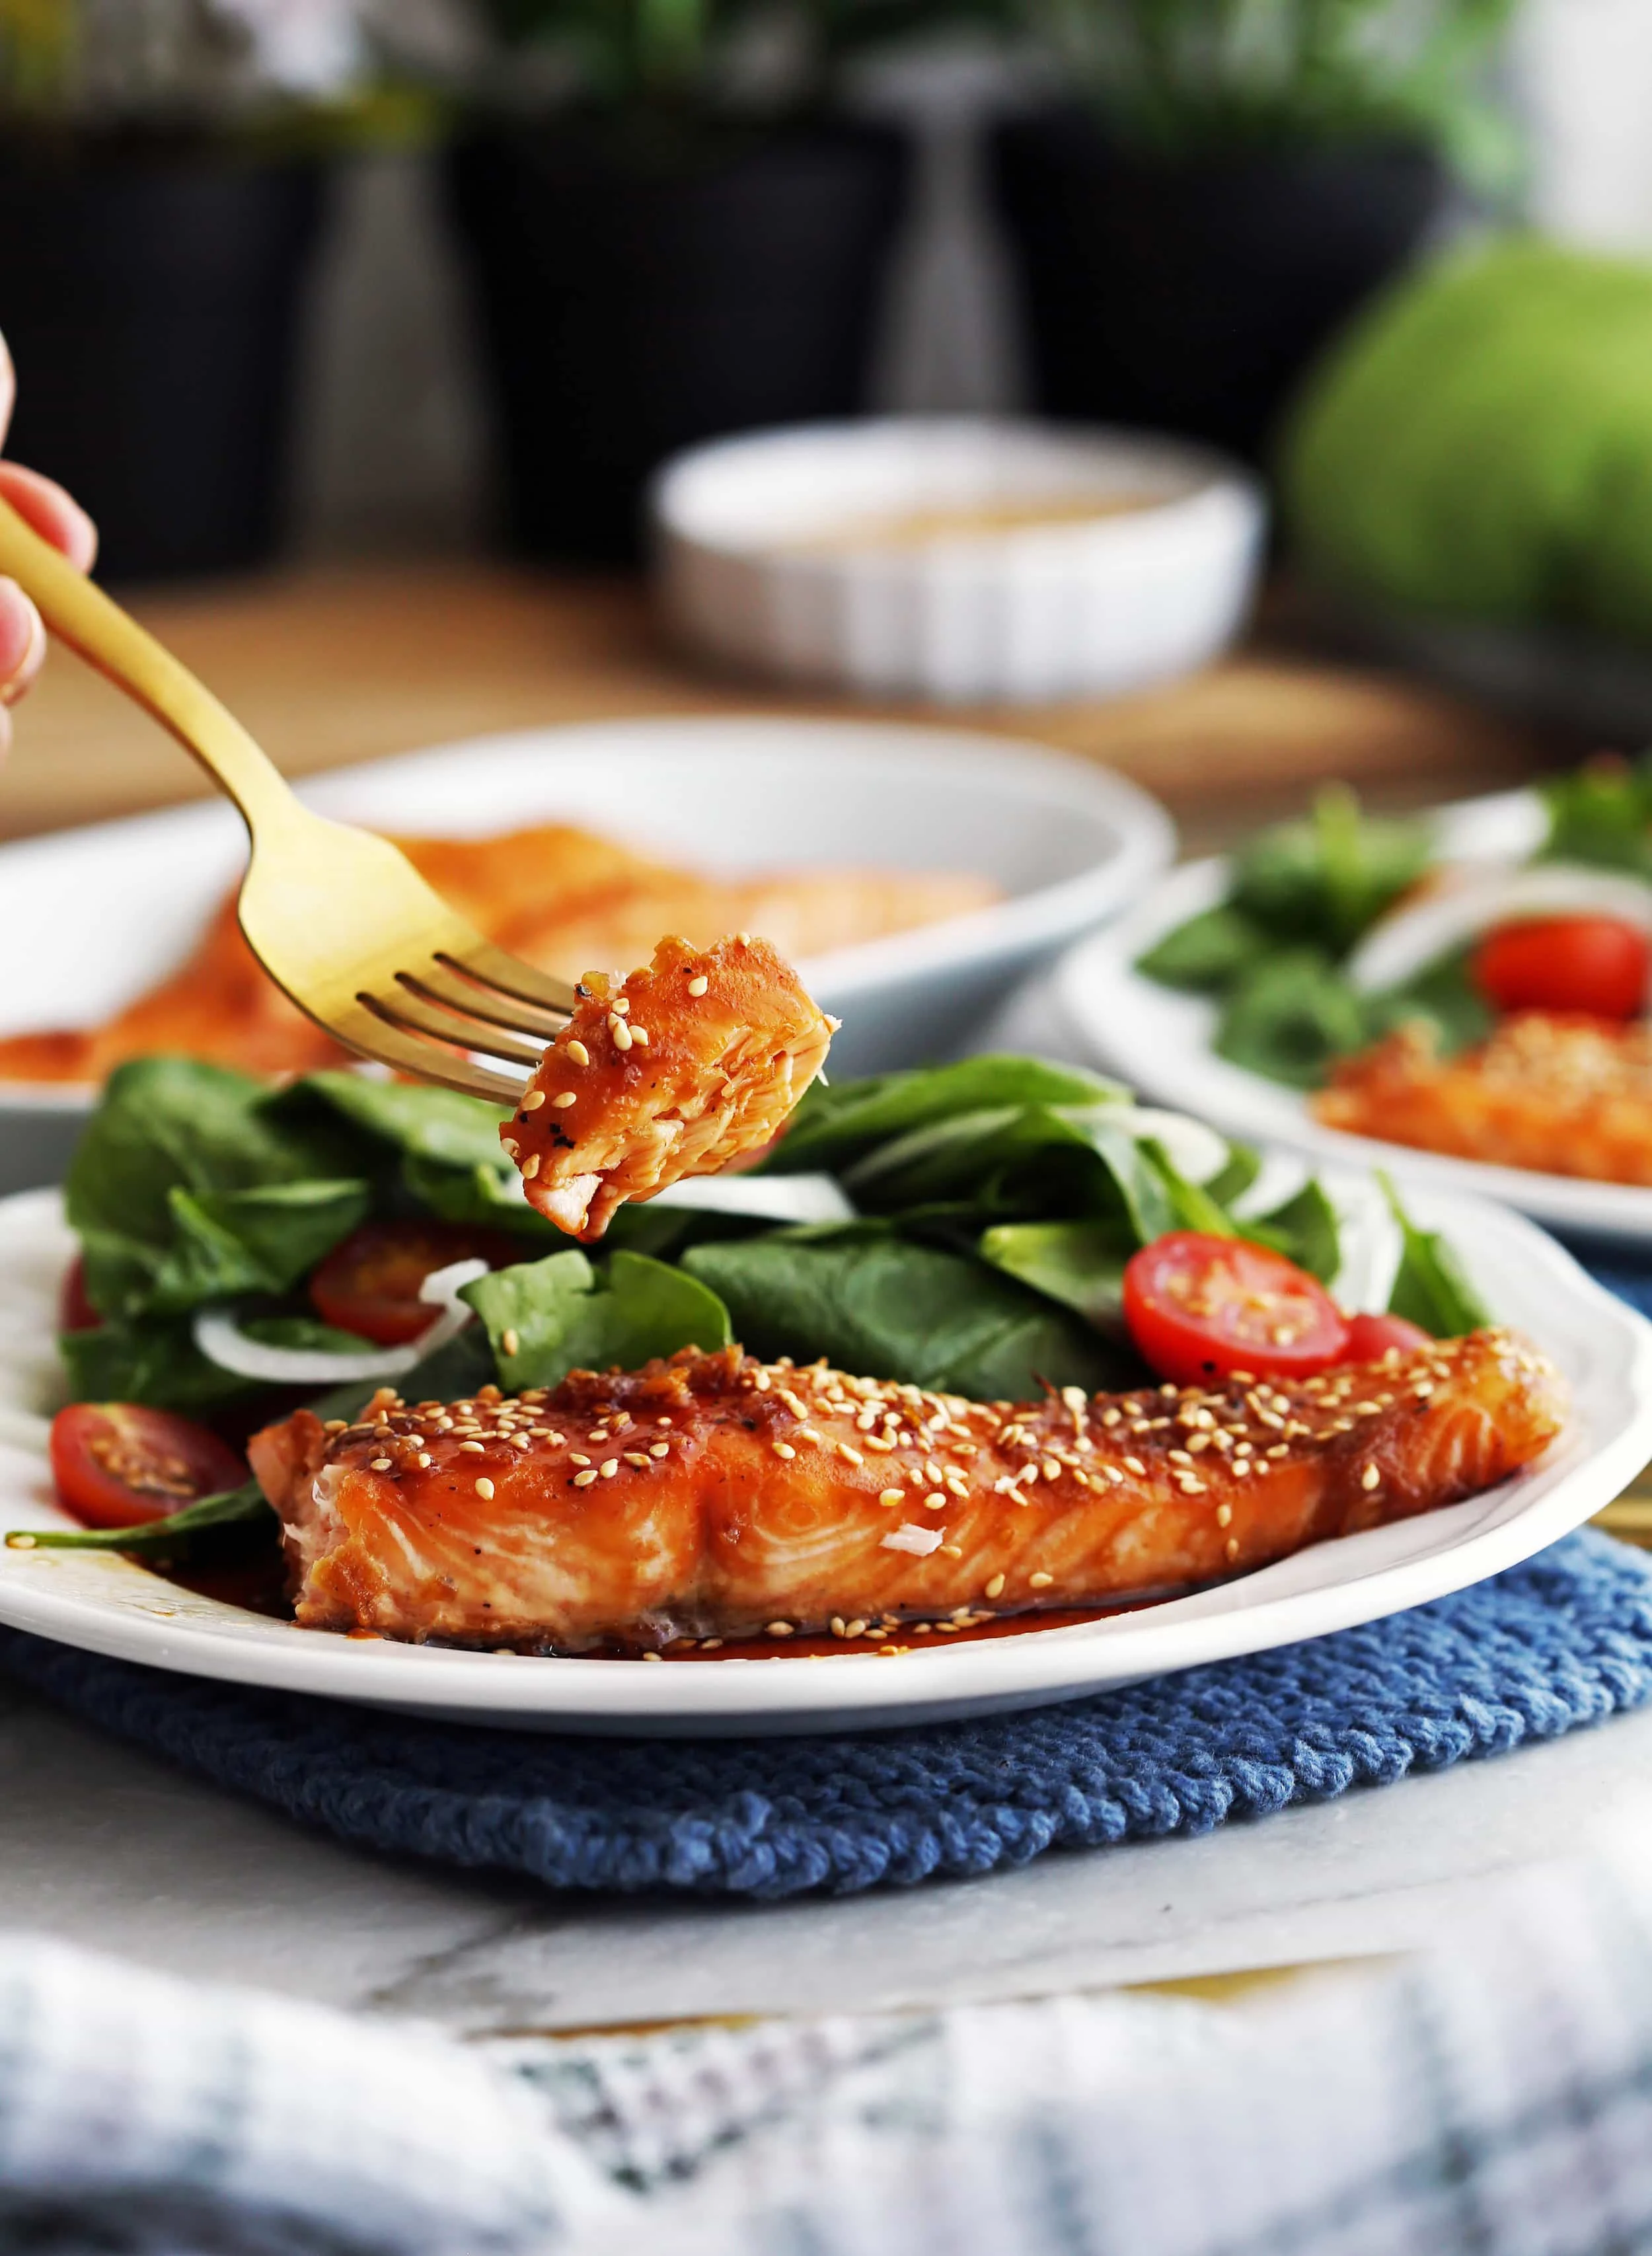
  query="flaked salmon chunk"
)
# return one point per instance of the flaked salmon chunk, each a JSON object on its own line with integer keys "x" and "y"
{"x": 689, "y": 1064}
{"x": 715, "y": 1495}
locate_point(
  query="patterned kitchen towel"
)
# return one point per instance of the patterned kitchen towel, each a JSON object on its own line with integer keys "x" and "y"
{"x": 1564, "y": 1640}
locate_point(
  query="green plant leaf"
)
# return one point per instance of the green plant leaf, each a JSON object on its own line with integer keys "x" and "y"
{"x": 241, "y": 1510}
{"x": 1208, "y": 953}
{"x": 1431, "y": 1288}
{"x": 1325, "y": 881}
{"x": 1080, "y": 1264}
{"x": 1290, "y": 1018}
{"x": 546, "y": 1318}
{"x": 835, "y": 1125}
{"x": 883, "y": 1307}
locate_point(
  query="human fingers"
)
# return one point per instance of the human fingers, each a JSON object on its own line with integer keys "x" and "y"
{"x": 54, "y": 514}
{"x": 22, "y": 641}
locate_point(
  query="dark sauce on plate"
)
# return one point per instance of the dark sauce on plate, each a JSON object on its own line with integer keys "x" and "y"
{"x": 256, "y": 1583}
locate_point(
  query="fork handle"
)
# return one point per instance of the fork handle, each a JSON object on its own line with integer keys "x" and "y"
{"x": 82, "y": 616}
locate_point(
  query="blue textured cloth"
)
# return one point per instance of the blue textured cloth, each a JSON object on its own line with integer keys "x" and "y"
{"x": 1564, "y": 1640}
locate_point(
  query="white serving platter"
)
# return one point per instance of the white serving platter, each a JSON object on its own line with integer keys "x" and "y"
{"x": 107, "y": 1604}
{"x": 1159, "y": 1041}
{"x": 90, "y": 918}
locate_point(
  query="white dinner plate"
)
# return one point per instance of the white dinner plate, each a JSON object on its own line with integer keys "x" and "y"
{"x": 90, "y": 918}
{"x": 1158, "y": 1040}
{"x": 107, "y": 1604}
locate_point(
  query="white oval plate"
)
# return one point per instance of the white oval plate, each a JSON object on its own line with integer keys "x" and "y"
{"x": 107, "y": 1604}
{"x": 90, "y": 918}
{"x": 1159, "y": 1041}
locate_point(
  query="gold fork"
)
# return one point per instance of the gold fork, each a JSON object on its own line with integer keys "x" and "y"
{"x": 339, "y": 918}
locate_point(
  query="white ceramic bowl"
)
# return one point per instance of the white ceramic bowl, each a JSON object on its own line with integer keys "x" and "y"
{"x": 774, "y": 554}
{"x": 89, "y": 918}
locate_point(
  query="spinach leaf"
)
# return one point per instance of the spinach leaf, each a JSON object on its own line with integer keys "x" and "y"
{"x": 489, "y": 1195}
{"x": 1080, "y": 1264}
{"x": 1304, "y": 1230}
{"x": 1325, "y": 881}
{"x": 440, "y": 1124}
{"x": 172, "y": 1186}
{"x": 1208, "y": 953}
{"x": 1443, "y": 995}
{"x": 152, "y": 1360}
{"x": 835, "y": 1125}
{"x": 546, "y": 1318}
{"x": 1431, "y": 1288}
{"x": 1602, "y": 814}
{"x": 1290, "y": 1018}
{"x": 884, "y": 1308}
{"x": 237, "y": 1511}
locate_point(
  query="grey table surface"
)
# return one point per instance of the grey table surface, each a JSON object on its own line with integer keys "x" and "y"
{"x": 107, "y": 1846}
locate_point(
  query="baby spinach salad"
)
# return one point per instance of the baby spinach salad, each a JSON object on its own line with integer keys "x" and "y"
{"x": 1272, "y": 954}
{"x": 989, "y": 1210}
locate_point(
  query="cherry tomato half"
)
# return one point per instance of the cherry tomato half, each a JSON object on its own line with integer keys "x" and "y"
{"x": 1596, "y": 964}
{"x": 369, "y": 1283}
{"x": 75, "y": 1312}
{"x": 1370, "y": 1337}
{"x": 118, "y": 1464}
{"x": 1199, "y": 1307}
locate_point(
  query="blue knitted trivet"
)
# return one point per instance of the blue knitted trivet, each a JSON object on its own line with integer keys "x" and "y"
{"x": 1564, "y": 1640}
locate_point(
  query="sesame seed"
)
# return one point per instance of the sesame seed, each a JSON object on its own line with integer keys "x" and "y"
{"x": 934, "y": 1501}
{"x": 1134, "y": 1465}
{"x": 1370, "y": 1478}
{"x": 511, "y": 1341}
{"x": 575, "y": 1458}
{"x": 995, "y": 1588}
{"x": 533, "y": 1100}
{"x": 336, "y": 1426}
{"x": 640, "y": 1034}
{"x": 512, "y": 1146}
{"x": 783, "y": 1448}
{"x": 659, "y": 1449}
{"x": 851, "y": 1457}
{"x": 636, "y": 1457}
{"x": 610, "y": 1467}
{"x": 653, "y": 1656}
{"x": 576, "y": 1053}
{"x": 1040, "y": 1581}
{"x": 698, "y": 985}
{"x": 379, "y": 1465}
{"x": 621, "y": 1034}
{"x": 530, "y": 1167}
{"x": 1233, "y": 1547}
{"x": 424, "y": 1459}
{"x": 781, "y": 1629}
{"x": 473, "y": 1449}
{"x": 1223, "y": 1515}
{"x": 563, "y": 1101}
{"x": 584, "y": 1479}
{"x": 620, "y": 1006}
{"x": 856, "y": 1628}
{"x": 892, "y": 1496}
{"x": 485, "y": 1487}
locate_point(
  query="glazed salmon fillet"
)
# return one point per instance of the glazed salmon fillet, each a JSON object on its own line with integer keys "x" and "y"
{"x": 686, "y": 1066}
{"x": 1567, "y": 1096}
{"x": 712, "y": 1495}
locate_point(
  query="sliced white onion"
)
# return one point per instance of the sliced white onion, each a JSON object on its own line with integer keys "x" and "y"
{"x": 770, "y": 1198}
{"x": 1193, "y": 1150}
{"x": 222, "y": 1341}
{"x": 1468, "y": 902}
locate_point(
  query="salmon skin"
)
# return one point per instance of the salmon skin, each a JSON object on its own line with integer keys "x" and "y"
{"x": 680, "y": 1069}
{"x": 712, "y": 1495}
{"x": 1566, "y": 1095}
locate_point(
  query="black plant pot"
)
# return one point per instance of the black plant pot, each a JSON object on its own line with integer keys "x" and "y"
{"x": 151, "y": 306}
{"x": 1190, "y": 296}
{"x": 633, "y": 303}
